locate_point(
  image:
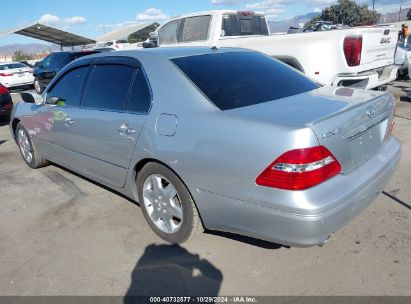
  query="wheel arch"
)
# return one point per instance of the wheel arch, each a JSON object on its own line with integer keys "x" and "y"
{"x": 14, "y": 124}
{"x": 141, "y": 163}
{"x": 291, "y": 61}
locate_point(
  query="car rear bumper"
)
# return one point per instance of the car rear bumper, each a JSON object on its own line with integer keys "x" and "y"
{"x": 228, "y": 214}
{"x": 368, "y": 79}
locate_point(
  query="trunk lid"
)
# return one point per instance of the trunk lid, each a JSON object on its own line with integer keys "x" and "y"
{"x": 352, "y": 124}
{"x": 379, "y": 44}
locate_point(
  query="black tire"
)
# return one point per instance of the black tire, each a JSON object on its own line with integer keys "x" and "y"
{"x": 37, "y": 161}
{"x": 190, "y": 219}
{"x": 37, "y": 86}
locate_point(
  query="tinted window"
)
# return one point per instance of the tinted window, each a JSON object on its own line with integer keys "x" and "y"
{"x": 195, "y": 28}
{"x": 74, "y": 56}
{"x": 140, "y": 99}
{"x": 243, "y": 25}
{"x": 168, "y": 34}
{"x": 108, "y": 87}
{"x": 68, "y": 87}
{"x": 59, "y": 61}
{"x": 9, "y": 66}
{"x": 242, "y": 78}
{"x": 46, "y": 61}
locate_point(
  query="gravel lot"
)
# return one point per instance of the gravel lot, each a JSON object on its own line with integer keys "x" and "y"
{"x": 61, "y": 234}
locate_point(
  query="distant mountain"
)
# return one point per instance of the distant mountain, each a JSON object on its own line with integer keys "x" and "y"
{"x": 284, "y": 25}
{"x": 28, "y": 48}
{"x": 393, "y": 17}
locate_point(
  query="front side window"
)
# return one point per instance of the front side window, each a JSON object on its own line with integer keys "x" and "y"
{"x": 195, "y": 28}
{"x": 68, "y": 87}
{"x": 46, "y": 61}
{"x": 240, "y": 79}
{"x": 59, "y": 61}
{"x": 108, "y": 87}
{"x": 168, "y": 34}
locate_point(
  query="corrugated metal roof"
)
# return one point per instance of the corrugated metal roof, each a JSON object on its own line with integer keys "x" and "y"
{"x": 124, "y": 32}
{"x": 49, "y": 34}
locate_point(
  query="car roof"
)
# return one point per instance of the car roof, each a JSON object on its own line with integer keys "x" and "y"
{"x": 170, "y": 52}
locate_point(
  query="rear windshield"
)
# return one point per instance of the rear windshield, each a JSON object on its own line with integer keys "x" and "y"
{"x": 240, "y": 79}
{"x": 244, "y": 25}
{"x": 10, "y": 66}
{"x": 81, "y": 54}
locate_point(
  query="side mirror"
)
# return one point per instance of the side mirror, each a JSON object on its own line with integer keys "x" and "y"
{"x": 152, "y": 40}
{"x": 149, "y": 45}
{"x": 31, "y": 98}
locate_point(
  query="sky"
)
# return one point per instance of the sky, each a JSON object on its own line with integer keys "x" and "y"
{"x": 91, "y": 18}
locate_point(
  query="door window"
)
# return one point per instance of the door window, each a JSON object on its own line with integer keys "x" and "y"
{"x": 140, "y": 99}
{"x": 46, "y": 61}
{"x": 168, "y": 34}
{"x": 108, "y": 87}
{"x": 69, "y": 87}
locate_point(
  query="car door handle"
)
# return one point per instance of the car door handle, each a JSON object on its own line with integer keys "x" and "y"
{"x": 68, "y": 121}
{"x": 125, "y": 130}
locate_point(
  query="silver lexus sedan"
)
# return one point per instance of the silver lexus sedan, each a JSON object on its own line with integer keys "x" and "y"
{"x": 226, "y": 139}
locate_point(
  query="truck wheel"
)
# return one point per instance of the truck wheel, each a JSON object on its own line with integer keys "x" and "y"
{"x": 167, "y": 204}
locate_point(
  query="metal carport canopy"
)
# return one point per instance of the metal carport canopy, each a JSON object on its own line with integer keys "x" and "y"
{"x": 50, "y": 34}
{"x": 124, "y": 32}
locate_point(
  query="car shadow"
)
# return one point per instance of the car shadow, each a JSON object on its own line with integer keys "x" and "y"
{"x": 246, "y": 239}
{"x": 232, "y": 236}
{"x": 4, "y": 121}
{"x": 171, "y": 270}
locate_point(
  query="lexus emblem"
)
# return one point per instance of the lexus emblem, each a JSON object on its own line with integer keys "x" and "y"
{"x": 370, "y": 111}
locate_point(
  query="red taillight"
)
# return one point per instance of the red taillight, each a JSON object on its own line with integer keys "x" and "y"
{"x": 5, "y": 74}
{"x": 3, "y": 90}
{"x": 300, "y": 169}
{"x": 352, "y": 50}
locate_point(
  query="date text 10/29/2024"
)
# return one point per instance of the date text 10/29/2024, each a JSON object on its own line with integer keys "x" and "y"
{"x": 232, "y": 299}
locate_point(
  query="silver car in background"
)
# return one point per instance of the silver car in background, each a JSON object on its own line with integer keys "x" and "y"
{"x": 226, "y": 139}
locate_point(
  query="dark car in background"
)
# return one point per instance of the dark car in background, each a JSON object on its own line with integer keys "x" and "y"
{"x": 45, "y": 71}
{"x": 6, "y": 104}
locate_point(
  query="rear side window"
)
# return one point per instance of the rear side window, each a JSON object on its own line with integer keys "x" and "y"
{"x": 243, "y": 25}
{"x": 140, "y": 99}
{"x": 68, "y": 87}
{"x": 195, "y": 28}
{"x": 168, "y": 34}
{"x": 108, "y": 87}
{"x": 239, "y": 79}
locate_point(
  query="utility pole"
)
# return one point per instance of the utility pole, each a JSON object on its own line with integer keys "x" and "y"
{"x": 373, "y": 4}
{"x": 399, "y": 13}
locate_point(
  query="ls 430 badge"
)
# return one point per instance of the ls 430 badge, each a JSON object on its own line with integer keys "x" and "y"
{"x": 333, "y": 132}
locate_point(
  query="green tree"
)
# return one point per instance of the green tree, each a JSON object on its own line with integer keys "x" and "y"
{"x": 348, "y": 12}
{"x": 20, "y": 56}
{"x": 409, "y": 14}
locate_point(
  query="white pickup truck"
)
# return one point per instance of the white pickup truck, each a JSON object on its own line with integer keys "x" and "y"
{"x": 361, "y": 57}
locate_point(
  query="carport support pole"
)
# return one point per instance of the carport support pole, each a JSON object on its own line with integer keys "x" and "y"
{"x": 61, "y": 47}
